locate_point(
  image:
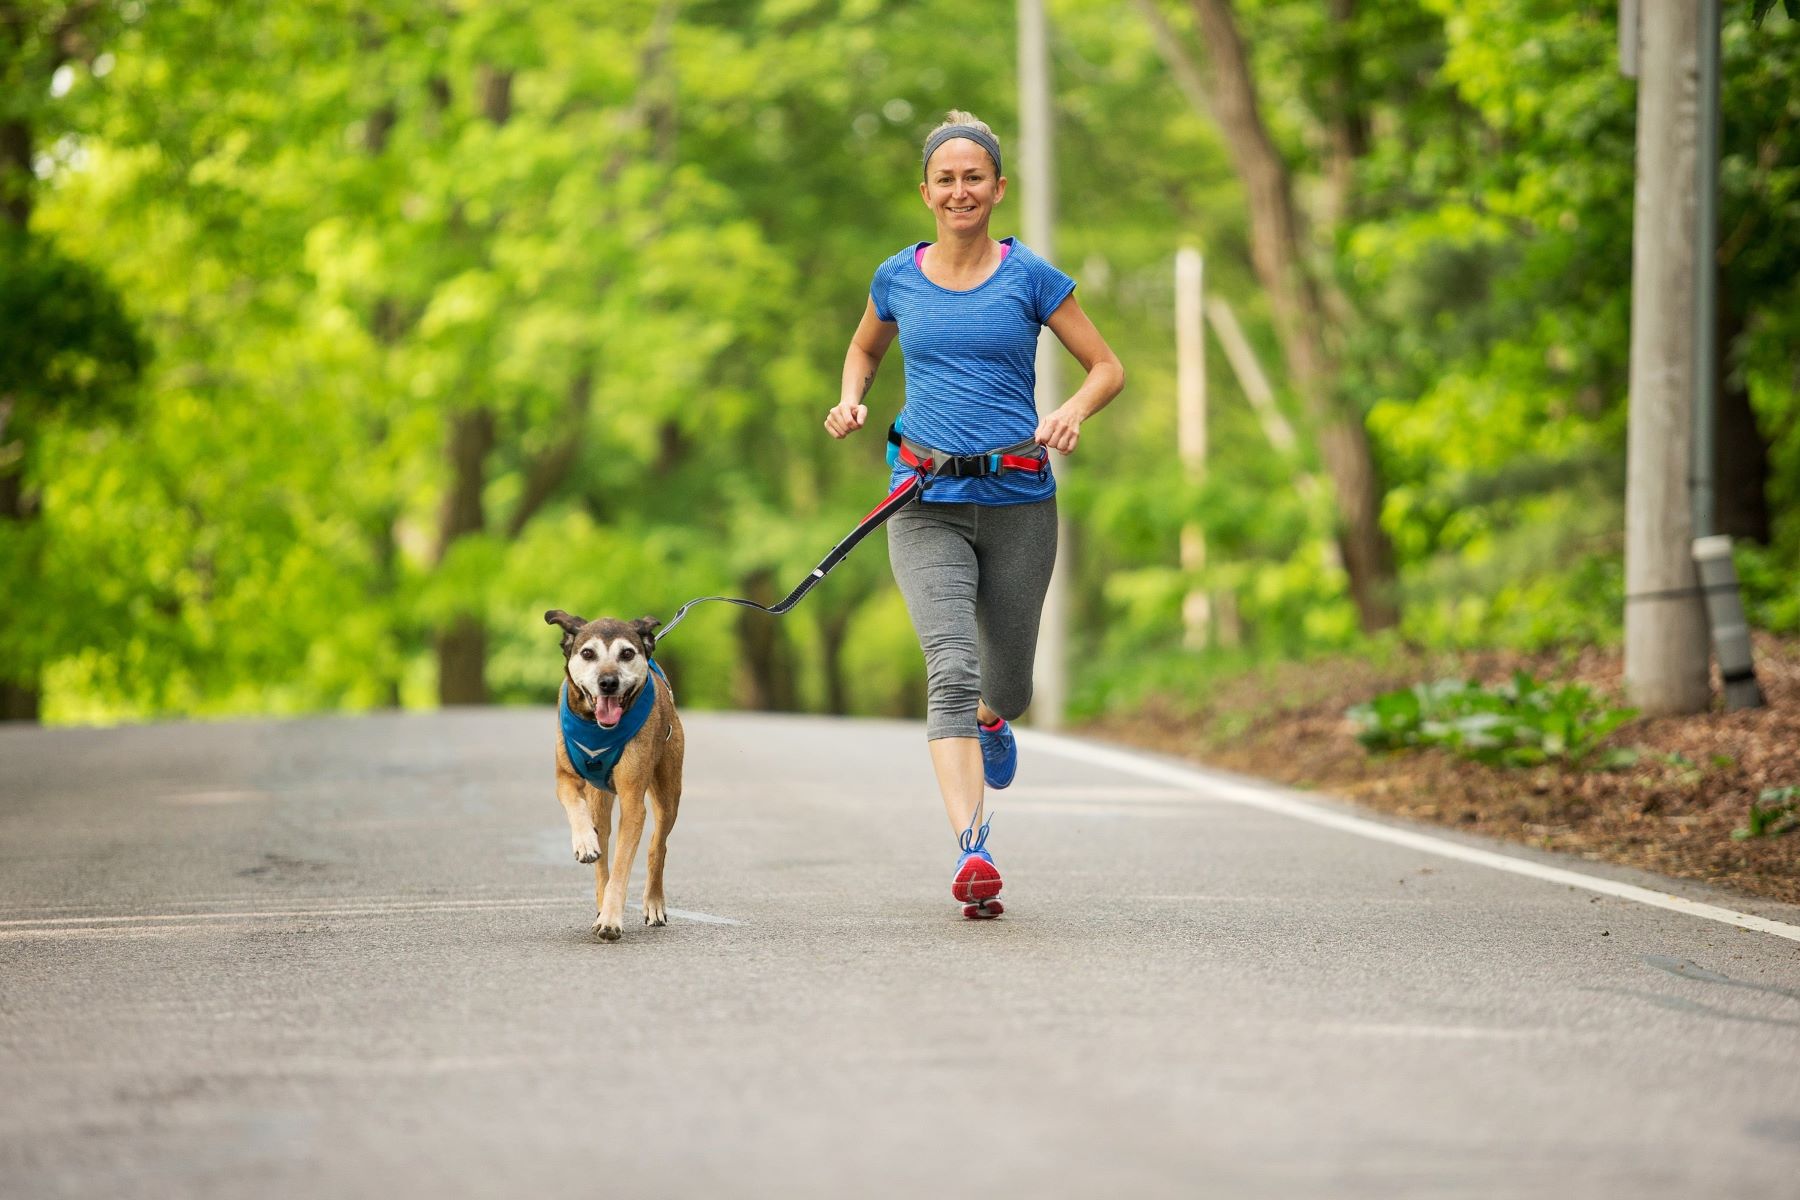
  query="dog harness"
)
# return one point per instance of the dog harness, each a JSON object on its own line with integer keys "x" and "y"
{"x": 594, "y": 750}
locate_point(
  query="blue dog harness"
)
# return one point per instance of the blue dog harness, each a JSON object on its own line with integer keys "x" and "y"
{"x": 594, "y": 751}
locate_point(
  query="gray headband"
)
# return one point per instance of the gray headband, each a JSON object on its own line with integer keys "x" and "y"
{"x": 980, "y": 137}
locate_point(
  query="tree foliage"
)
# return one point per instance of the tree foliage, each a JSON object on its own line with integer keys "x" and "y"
{"x": 447, "y": 315}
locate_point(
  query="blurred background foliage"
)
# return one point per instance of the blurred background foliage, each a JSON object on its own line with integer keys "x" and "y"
{"x": 339, "y": 341}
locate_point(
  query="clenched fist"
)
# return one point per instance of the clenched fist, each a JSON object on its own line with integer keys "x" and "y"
{"x": 846, "y": 418}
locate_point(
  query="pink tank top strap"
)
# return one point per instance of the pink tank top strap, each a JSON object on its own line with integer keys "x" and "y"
{"x": 919, "y": 254}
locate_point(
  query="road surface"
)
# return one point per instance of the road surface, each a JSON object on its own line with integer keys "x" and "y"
{"x": 351, "y": 957}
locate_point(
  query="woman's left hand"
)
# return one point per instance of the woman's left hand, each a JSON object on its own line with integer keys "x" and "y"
{"x": 1059, "y": 431}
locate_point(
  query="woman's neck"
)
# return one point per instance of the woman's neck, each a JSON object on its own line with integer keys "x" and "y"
{"x": 961, "y": 251}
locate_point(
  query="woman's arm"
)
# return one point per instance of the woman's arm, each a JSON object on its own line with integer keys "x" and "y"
{"x": 1105, "y": 377}
{"x": 868, "y": 344}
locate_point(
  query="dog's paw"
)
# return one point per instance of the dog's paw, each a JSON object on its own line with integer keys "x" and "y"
{"x": 655, "y": 913}
{"x": 587, "y": 847}
{"x": 605, "y": 931}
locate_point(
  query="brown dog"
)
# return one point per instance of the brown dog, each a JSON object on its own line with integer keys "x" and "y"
{"x": 618, "y": 720}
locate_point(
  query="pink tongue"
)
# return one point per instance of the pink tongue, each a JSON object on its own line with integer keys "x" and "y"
{"x": 608, "y": 710}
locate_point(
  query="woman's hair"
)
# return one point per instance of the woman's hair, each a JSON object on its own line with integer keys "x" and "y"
{"x": 957, "y": 119}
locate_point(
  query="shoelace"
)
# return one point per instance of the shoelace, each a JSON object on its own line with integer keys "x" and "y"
{"x": 973, "y": 841}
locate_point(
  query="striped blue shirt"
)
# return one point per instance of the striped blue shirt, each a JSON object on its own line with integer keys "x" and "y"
{"x": 971, "y": 364}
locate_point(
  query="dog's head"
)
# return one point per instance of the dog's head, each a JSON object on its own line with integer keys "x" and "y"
{"x": 608, "y": 660}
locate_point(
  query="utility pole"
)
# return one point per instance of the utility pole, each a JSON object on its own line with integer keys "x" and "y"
{"x": 1037, "y": 175}
{"x": 1190, "y": 432}
{"x": 1666, "y": 653}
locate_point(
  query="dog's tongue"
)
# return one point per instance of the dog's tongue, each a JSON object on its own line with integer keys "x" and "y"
{"x": 608, "y": 710}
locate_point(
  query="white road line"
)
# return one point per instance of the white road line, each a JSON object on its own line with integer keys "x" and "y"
{"x": 41, "y": 926}
{"x": 250, "y": 900}
{"x": 1270, "y": 800}
{"x": 346, "y": 910}
{"x": 704, "y": 918}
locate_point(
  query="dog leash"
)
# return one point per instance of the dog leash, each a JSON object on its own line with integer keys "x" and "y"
{"x": 927, "y": 464}
{"x": 878, "y": 516}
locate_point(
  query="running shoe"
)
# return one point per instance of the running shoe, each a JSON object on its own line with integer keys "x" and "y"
{"x": 977, "y": 879}
{"x": 999, "y": 754}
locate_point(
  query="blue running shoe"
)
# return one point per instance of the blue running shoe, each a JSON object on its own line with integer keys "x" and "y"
{"x": 977, "y": 879}
{"x": 999, "y": 754}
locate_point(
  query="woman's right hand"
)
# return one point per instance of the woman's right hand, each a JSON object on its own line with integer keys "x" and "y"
{"x": 846, "y": 418}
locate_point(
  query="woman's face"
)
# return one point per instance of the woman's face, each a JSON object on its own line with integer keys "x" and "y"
{"x": 961, "y": 187}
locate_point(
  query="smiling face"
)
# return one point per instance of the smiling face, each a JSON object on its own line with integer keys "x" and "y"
{"x": 608, "y": 661}
{"x": 961, "y": 188}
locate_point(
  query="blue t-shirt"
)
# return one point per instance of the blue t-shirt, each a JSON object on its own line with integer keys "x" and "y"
{"x": 971, "y": 364}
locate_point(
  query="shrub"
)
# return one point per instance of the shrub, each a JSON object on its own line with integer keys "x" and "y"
{"x": 1523, "y": 723}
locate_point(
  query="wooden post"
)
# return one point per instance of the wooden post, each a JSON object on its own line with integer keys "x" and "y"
{"x": 1666, "y": 649}
{"x": 1037, "y": 176}
{"x": 1190, "y": 432}
{"x": 1275, "y": 427}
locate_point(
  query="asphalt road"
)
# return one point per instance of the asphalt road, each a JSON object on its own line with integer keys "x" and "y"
{"x": 351, "y": 957}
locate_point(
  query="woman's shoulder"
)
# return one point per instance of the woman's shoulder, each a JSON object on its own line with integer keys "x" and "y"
{"x": 902, "y": 257}
{"x": 1030, "y": 258}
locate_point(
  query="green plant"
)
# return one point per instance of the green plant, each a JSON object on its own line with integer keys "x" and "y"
{"x": 1523, "y": 723}
{"x": 1774, "y": 812}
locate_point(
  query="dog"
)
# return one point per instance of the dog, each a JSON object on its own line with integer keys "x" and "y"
{"x": 617, "y": 719}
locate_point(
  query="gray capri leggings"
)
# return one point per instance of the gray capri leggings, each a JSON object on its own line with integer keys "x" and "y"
{"x": 974, "y": 578}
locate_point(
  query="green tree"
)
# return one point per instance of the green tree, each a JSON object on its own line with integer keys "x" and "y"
{"x": 70, "y": 352}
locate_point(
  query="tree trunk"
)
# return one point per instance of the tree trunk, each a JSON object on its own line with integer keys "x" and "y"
{"x": 1300, "y": 323}
{"x": 19, "y": 691}
{"x": 462, "y": 646}
{"x": 767, "y": 681}
{"x": 834, "y": 631}
{"x": 1347, "y": 125}
{"x": 1740, "y": 452}
{"x": 15, "y": 175}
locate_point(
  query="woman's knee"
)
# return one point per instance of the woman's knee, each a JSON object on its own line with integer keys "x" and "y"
{"x": 1010, "y": 700}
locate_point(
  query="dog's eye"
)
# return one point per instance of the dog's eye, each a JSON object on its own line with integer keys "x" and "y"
{"x": 627, "y": 654}
{"x": 587, "y": 652}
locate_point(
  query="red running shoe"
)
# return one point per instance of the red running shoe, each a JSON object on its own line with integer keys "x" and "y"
{"x": 977, "y": 879}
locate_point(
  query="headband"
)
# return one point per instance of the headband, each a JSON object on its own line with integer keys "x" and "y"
{"x": 980, "y": 137}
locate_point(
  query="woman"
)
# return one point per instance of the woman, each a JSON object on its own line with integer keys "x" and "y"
{"x": 973, "y": 558}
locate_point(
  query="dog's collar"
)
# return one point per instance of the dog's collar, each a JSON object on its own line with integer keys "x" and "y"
{"x": 593, "y": 750}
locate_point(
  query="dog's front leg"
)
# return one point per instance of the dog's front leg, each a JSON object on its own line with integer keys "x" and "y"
{"x": 611, "y": 921}
{"x": 600, "y": 816}
{"x": 588, "y": 843}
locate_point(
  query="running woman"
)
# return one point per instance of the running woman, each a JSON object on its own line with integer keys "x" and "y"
{"x": 973, "y": 558}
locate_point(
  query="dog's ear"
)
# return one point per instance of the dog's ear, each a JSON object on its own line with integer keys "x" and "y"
{"x": 646, "y": 627}
{"x": 571, "y": 625}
